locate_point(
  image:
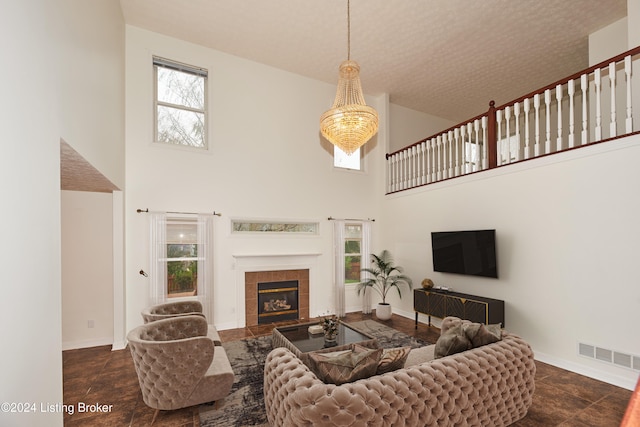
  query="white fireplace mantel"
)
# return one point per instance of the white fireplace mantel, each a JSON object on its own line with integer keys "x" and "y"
{"x": 245, "y": 263}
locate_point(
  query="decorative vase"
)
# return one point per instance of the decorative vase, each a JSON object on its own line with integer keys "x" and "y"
{"x": 427, "y": 284}
{"x": 383, "y": 311}
{"x": 330, "y": 337}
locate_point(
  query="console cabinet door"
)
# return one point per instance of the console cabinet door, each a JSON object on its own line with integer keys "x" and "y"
{"x": 475, "y": 311}
{"x": 455, "y": 307}
{"x": 421, "y": 301}
{"x": 437, "y": 305}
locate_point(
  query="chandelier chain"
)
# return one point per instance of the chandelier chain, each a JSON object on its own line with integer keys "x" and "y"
{"x": 348, "y": 31}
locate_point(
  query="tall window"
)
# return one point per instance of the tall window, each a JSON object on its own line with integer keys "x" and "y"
{"x": 182, "y": 257}
{"x": 343, "y": 161}
{"x": 180, "y": 103}
{"x": 352, "y": 253}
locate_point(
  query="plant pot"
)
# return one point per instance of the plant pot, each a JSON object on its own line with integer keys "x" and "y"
{"x": 383, "y": 311}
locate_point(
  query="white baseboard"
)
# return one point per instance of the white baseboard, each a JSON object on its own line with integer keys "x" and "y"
{"x": 119, "y": 345}
{"x": 619, "y": 381}
{"x": 596, "y": 374}
{"x": 95, "y": 342}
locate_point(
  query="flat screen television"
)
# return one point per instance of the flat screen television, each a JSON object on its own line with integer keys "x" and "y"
{"x": 471, "y": 252}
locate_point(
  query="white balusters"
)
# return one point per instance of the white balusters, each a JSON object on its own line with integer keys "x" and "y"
{"x": 547, "y": 103}
{"x": 413, "y": 153}
{"x": 456, "y": 138}
{"x": 536, "y": 106}
{"x": 499, "y": 137}
{"x": 584, "y": 85}
{"x": 434, "y": 164}
{"x": 485, "y": 143}
{"x": 598, "y": 128}
{"x": 425, "y": 162}
{"x": 559, "y": 102}
{"x": 527, "y": 149}
{"x": 468, "y": 160}
{"x": 612, "y": 80}
{"x": 464, "y": 149}
{"x": 516, "y": 115}
{"x": 450, "y": 152}
{"x": 440, "y": 173}
{"x": 476, "y": 128}
{"x": 627, "y": 72}
{"x": 571, "y": 91}
{"x": 507, "y": 138}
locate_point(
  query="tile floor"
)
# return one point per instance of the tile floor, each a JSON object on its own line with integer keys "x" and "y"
{"x": 99, "y": 375}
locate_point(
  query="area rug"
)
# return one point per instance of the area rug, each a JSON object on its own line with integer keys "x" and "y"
{"x": 244, "y": 406}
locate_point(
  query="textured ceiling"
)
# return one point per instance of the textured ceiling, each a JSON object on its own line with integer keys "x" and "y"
{"x": 448, "y": 58}
{"x": 76, "y": 174}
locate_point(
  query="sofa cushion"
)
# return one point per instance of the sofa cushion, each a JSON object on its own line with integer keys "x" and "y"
{"x": 392, "y": 359}
{"x": 480, "y": 334}
{"x": 345, "y": 366}
{"x": 420, "y": 355}
{"x": 453, "y": 340}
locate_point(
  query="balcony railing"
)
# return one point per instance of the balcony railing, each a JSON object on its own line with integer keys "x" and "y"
{"x": 592, "y": 106}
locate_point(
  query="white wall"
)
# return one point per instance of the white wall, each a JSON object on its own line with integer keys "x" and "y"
{"x": 31, "y": 357}
{"x": 633, "y": 27}
{"x": 87, "y": 269}
{"x": 608, "y": 42}
{"x": 266, "y": 161}
{"x": 567, "y": 242}
{"x": 410, "y": 126}
{"x": 92, "y": 83}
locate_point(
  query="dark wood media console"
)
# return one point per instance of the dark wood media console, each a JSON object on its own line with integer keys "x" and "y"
{"x": 439, "y": 303}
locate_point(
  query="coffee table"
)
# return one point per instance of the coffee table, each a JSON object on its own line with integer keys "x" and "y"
{"x": 298, "y": 339}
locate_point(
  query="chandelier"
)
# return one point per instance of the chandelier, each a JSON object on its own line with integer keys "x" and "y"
{"x": 350, "y": 123}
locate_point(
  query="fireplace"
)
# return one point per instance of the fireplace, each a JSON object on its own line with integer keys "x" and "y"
{"x": 276, "y": 295}
{"x": 277, "y": 301}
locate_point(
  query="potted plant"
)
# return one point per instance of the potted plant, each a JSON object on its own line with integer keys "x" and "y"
{"x": 384, "y": 276}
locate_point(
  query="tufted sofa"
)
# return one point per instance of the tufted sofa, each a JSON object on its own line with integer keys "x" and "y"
{"x": 177, "y": 364}
{"x": 491, "y": 385}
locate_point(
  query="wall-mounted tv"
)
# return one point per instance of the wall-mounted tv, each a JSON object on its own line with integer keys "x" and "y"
{"x": 470, "y": 252}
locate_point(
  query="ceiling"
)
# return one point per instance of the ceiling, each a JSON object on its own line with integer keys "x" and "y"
{"x": 77, "y": 174}
{"x": 448, "y": 58}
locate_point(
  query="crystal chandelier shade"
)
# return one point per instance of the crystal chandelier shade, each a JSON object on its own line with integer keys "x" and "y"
{"x": 350, "y": 123}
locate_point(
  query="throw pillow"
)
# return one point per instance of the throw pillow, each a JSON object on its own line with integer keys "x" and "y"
{"x": 454, "y": 340}
{"x": 345, "y": 367}
{"x": 392, "y": 359}
{"x": 485, "y": 336}
{"x": 449, "y": 322}
{"x": 480, "y": 334}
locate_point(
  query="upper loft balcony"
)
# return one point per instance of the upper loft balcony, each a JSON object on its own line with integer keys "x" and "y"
{"x": 596, "y": 105}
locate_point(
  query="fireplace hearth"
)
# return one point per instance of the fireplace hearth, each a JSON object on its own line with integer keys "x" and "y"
{"x": 277, "y": 301}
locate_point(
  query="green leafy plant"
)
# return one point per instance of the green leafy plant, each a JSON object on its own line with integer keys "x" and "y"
{"x": 330, "y": 325}
{"x": 384, "y": 276}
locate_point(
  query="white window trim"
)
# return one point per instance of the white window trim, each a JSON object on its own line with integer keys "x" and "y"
{"x": 180, "y": 66}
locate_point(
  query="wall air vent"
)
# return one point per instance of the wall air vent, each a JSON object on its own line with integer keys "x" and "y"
{"x": 617, "y": 358}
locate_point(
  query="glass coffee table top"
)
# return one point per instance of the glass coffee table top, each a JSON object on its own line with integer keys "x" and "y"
{"x": 303, "y": 341}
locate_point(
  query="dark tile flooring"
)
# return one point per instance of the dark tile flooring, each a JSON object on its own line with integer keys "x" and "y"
{"x": 99, "y": 375}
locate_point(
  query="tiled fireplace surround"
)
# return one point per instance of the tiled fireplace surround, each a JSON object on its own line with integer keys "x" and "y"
{"x": 251, "y": 280}
{"x": 253, "y": 269}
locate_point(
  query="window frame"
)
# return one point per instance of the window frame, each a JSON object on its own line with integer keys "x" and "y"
{"x": 346, "y": 239}
{"x": 337, "y": 152}
{"x": 192, "y": 222}
{"x": 157, "y": 62}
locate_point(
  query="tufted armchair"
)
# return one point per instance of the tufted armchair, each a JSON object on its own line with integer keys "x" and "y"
{"x": 177, "y": 364}
{"x": 491, "y": 385}
{"x": 178, "y": 308}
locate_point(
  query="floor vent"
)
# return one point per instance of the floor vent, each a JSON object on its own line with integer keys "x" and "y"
{"x": 617, "y": 358}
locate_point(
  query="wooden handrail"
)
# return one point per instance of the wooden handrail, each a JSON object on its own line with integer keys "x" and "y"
{"x": 490, "y": 114}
